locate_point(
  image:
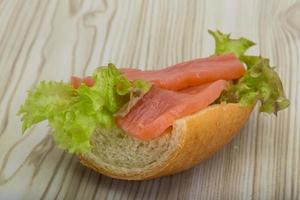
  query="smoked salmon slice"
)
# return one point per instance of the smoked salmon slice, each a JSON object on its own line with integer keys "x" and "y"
{"x": 160, "y": 108}
{"x": 191, "y": 73}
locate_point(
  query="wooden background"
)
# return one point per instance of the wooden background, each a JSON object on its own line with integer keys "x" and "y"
{"x": 52, "y": 39}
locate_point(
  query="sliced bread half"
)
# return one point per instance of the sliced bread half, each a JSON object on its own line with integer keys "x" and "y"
{"x": 191, "y": 140}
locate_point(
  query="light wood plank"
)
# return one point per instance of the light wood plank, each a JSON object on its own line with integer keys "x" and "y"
{"x": 43, "y": 39}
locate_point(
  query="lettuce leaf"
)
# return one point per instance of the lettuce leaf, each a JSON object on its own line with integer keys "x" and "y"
{"x": 45, "y": 101}
{"x": 224, "y": 44}
{"x": 74, "y": 114}
{"x": 260, "y": 82}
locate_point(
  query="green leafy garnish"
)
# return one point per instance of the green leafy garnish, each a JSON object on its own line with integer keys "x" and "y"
{"x": 260, "y": 82}
{"x": 224, "y": 44}
{"x": 46, "y": 100}
{"x": 74, "y": 114}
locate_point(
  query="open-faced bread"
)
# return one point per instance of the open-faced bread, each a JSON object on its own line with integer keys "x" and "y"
{"x": 191, "y": 140}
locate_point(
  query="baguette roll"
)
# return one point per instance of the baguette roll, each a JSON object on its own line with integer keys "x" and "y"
{"x": 191, "y": 140}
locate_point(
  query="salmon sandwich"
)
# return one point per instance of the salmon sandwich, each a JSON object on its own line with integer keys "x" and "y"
{"x": 132, "y": 124}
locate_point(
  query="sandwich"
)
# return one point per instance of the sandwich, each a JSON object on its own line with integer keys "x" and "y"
{"x": 132, "y": 124}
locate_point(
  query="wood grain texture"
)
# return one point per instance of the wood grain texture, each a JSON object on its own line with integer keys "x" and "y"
{"x": 52, "y": 39}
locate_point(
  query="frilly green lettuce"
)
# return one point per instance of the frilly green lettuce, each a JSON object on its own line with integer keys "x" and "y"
{"x": 224, "y": 44}
{"x": 74, "y": 114}
{"x": 260, "y": 82}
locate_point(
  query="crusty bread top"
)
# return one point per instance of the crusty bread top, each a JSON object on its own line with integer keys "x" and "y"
{"x": 199, "y": 136}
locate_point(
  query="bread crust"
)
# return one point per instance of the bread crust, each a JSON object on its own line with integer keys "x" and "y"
{"x": 202, "y": 134}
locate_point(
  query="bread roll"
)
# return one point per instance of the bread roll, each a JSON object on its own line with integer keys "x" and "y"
{"x": 191, "y": 140}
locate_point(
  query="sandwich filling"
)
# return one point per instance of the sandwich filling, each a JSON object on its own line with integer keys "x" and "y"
{"x": 160, "y": 108}
{"x": 191, "y": 73}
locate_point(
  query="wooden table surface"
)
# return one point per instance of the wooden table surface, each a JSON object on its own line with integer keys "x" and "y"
{"x": 51, "y": 39}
